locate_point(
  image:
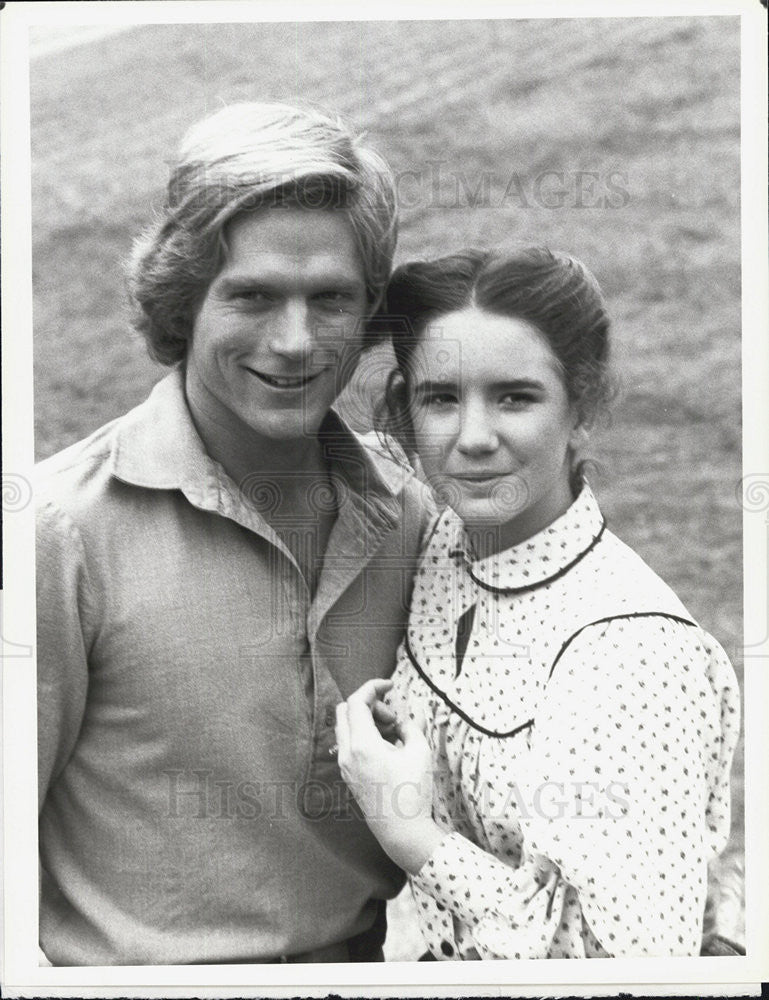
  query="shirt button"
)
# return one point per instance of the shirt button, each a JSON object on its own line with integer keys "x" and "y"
{"x": 330, "y": 715}
{"x": 447, "y": 948}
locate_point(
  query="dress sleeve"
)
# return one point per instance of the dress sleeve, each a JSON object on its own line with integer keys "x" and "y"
{"x": 512, "y": 912}
{"x": 64, "y": 597}
{"x": 627, "y": 784}
{"x": 624, "y": 800}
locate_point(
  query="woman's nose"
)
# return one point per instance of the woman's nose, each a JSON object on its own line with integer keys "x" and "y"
{"x": 477, "y": 433}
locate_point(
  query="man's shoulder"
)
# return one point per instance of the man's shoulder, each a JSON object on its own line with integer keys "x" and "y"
{"x": 387, "y": 456}
{"x": 71, "y": 471}
{"x": 392, "y": 464}
{"x": 78, "y": 481}
{"x": 80, "y": 473}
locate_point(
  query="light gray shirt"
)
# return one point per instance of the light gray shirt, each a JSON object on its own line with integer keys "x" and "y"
{"x": 191, "y": 807}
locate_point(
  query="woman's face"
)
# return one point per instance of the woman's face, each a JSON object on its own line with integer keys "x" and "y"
{"x": 493, "y": 423}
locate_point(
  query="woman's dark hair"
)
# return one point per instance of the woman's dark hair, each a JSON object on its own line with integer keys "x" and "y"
{"x": 553, "y": 291}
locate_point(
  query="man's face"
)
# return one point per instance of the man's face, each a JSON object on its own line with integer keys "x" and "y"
{"x": 280, "y": 329}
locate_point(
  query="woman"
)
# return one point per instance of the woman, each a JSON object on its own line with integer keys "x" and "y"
{"x": 552, "y": 765}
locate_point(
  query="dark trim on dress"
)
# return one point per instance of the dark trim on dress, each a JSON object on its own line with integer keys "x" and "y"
{"x": 526, "y": 725}
{"x": 455, "y": 708}
{"x": 433, "y": 530}
{"x": 612, "y": 618}
{"x": 548, "y": 579}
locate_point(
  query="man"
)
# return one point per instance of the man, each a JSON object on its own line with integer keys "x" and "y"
{"x": 220, "y": 567}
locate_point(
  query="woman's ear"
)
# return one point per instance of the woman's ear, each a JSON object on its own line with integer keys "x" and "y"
{"x": 579, "y": 437}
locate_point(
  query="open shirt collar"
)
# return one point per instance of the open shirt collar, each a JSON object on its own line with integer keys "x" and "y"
{"x": 158, "y": 447}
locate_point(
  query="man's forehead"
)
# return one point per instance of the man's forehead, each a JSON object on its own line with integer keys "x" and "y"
{"x": 280, "y": 239}
{"x": 288, "y": 270}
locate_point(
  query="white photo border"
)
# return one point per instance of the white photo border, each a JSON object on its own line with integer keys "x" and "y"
{"x": 21, "y": 975}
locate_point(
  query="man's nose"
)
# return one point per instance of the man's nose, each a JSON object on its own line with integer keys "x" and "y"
{"x": 292, "y": 334}
{"x": 477, "y": 431}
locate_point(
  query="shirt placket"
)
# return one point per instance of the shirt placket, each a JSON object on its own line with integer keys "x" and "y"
{"x": 355, "y": 539}
{"x": 219, "y": 495}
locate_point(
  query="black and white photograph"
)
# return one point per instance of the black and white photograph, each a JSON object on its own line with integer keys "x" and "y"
{"x": 385, "y": 501}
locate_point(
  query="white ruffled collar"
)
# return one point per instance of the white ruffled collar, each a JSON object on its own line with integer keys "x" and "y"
{"x": 543, "y": 557}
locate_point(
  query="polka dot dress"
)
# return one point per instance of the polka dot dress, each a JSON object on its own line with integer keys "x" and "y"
{"x": 582, "y": 727}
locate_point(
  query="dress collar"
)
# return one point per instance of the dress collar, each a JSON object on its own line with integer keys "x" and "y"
{"x": 540, "y": 559}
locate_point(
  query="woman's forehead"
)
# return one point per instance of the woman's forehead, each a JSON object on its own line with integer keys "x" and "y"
{"x": 473, "y": 342}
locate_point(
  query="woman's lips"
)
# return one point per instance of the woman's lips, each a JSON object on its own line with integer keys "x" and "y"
{"x": 477, "y": 477}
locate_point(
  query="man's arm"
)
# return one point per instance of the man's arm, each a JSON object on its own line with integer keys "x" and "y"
{"x": 64, "y": 595}
{"x": 62, "y": 667}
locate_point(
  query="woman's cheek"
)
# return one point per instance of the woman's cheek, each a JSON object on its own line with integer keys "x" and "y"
{"x": 434, "y": 437}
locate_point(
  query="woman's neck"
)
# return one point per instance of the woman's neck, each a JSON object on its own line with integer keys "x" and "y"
{"x": 489, "y": 539}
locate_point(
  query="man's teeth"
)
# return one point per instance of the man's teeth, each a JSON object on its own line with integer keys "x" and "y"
{"x": 285, "y": 383}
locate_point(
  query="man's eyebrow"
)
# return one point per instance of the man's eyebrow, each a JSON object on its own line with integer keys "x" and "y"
{"x": 342, "y": 282}
{"x": 236, "y": 282}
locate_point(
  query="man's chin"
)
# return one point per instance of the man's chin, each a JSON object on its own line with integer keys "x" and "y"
{"x": 288, "y": 428}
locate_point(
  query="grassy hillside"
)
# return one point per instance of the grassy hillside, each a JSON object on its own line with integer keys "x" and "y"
{"x": 615, "y": 139}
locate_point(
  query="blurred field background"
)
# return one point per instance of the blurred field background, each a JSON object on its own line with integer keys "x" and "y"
{"x": 616, "y": 139}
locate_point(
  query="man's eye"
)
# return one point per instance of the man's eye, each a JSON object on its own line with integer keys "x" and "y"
{"x": 334, "y": 298}
{"x": 255, "y": 295}
{"x": 517, "y": 400}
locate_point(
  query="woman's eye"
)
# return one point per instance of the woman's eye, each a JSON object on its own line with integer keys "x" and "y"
{"x": 439, "y": 399}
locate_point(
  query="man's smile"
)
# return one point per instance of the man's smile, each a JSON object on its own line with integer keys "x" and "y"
{"x": 284, "y": 381}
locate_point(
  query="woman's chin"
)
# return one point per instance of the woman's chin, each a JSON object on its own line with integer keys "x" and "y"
{"x": 481, "y": 517}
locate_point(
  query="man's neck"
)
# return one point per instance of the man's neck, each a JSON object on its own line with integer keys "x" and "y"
{"x": 279, "y": 476}
{"x": 243, "y": 453}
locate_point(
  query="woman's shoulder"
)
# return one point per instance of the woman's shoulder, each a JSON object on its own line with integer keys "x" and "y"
{"x": 621, "y": 607}
{"x": 647, "y": 651}
{"x": 613, "y": 579}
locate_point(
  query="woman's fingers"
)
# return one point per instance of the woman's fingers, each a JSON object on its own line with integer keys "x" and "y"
{"x": 361, "y": 722}
{"x": 411, "y": 731}
{"x": 386, "y": 721}
{"x": 371, "y": 691}
{"x": 362, "y": 710}
{"x": 364, "y": 718}
{"x": 342, "y": 730}
{"x": 382, "y": 713}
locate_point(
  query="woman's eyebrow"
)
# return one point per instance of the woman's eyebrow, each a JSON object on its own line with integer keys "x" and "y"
{"x": 429, "y": 386}
{"x": 506, "y": 385}
{"x": 517, "y": 384}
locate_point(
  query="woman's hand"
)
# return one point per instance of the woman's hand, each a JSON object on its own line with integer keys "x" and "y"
{"x": 392, "y": 782}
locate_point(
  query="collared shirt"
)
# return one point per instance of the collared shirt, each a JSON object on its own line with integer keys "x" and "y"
{"x": 582, "y": 734}
{"x": 191, "y": 807}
